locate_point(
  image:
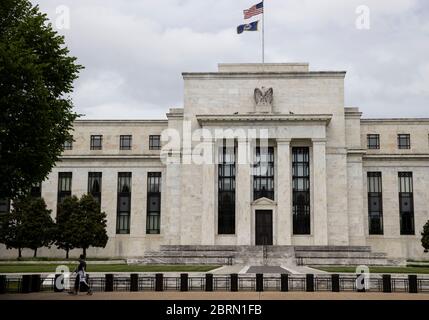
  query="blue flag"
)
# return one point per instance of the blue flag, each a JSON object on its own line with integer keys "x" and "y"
{"x": 248, "y": 27}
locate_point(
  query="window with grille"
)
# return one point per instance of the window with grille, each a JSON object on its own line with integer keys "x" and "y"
{"x": 124, "y": 203}
{"x": 301, "y": 190}
{"x": 96, "y": 142}
{"x": 94, "y": 185}
{"x": 406, "y": 203}
{"x": 263, "y": 173}
{"x": 404, "y": 141}
{"x": 64, "y": 186}
{"x": 226, "y": 190}
{"x": 153, "y": 214}
{"x": 373, "y": 141}
{"x": 125, "y": 142}
{"x": 154, "y": 142}
{"x": 375, "y": 203}
{"x": 68, "y": 144}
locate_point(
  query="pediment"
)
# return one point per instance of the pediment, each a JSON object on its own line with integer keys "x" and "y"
{"x": 264, "y": 202}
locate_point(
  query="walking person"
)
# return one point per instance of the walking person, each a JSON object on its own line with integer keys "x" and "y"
{"x": 80, "y": 282}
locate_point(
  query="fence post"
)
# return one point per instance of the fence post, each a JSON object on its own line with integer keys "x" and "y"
{"x": 26, "y": 283}
{"x": 412, "y": 283}
{"x": 2, "y": 284}
{"x": 35, "y": 283}
{"x": 309, "y": 282}
{"x": 284, "y": 282}
{"x": 108, "y": 283}
{"x": 259, "y": 282}
{"x": 387, "y": 283}
{"x": 234, "y": 282}
{"x": 134, "y": 282}
{"x": 184, "y": 282}
{"x": 209, "y": 282}
{"x": 159, "y": 282}
{"x": 335, "y": 282}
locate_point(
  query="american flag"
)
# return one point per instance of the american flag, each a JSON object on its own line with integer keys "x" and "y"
{"x": 254, "y": 11}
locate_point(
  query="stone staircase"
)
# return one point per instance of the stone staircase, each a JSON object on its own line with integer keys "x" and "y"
{"x": 342, "y": 255}
{"x": 264, "y": 255}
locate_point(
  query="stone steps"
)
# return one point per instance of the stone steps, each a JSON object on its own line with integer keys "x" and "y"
{"x": 268, "y": 255}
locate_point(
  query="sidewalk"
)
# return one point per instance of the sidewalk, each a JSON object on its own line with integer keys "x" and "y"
{"x": 232, "y": 296}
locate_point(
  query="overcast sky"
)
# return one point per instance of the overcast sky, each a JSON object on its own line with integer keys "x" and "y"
{"x": 135, "y": 50}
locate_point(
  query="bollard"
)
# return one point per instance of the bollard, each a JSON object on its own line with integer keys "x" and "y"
{"x": 259, "y": 282}
{"x": 184, "y": 282}
{"x": 159, "y": 282}
{"x": 2, "y": 284}
{"x": 335, "y": 282}
{"x": 209, "y": 282}
{"x": 309, "y": 282}
{"x": 412, "y": 283}
{"x": 108, "y": 284}
{"x": 134, "y": 282}
{"x": 234, "y": 282}
{"x": 35, "y": 283}
{"x": 284, "y": 282}
{"x": 26, "y": 283}
{"x": 387, "y": 283}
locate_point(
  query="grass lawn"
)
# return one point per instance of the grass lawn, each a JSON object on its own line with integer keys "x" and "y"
{"x": 36, "y": 268}
{"x": 343, "y": 269}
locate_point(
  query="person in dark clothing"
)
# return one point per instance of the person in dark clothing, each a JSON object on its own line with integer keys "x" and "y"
{"x": 80, "y": 282}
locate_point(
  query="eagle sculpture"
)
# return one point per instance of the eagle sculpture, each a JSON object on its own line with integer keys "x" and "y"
{"x": 264, "y": 96}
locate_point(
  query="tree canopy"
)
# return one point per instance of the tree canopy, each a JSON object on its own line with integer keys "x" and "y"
{"x": 29, "y": 225}
{"x": 425, "y": 236}
{"x": 36, "y": 79}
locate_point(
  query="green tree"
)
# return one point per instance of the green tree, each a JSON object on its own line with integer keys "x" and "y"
{"x": 425, "y": 237}
{"x": 36, "y": 79}
{"x": 88, "y": 224}
{"x": 64, "y": 230}
{"x": 12, "y": 231}
{"x": 29, "y": 225}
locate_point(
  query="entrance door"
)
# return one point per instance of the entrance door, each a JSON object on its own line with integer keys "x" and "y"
{"x": 264, "y": 227}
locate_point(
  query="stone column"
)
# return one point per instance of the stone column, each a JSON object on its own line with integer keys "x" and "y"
{"x": 208, "y": 221}
{"x": 284, "y": 192}
{"x": 320, "y": 208}
{"x": 243, "y": 193}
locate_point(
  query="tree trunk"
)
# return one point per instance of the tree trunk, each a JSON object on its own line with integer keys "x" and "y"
{"x": 19, "y": 253}
{"x": 67, "y": 253}
{"x": 35, "y": 253}
{"x": 84, "y": 252}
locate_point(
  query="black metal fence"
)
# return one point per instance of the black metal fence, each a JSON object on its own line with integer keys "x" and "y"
{"x": 212, "y": 282}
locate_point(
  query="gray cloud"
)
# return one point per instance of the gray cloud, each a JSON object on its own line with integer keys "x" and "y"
{"x": 135, "y": 50}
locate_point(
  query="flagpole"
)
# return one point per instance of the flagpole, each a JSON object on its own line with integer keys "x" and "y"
{"x": 263, "y": 32}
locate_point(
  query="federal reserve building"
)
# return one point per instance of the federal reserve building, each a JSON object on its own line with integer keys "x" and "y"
{"x": 263, "y": 162}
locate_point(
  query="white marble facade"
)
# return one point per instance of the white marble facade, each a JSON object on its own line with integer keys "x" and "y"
{"x": 307, "y": 110}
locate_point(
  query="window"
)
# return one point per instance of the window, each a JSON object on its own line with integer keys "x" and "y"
{"x": 154, "y": 142}
{"x": 4, "y": 205}
{"x": 375, "y": 203}
{"x": 125, "y": 142}
{"x": 263, "y": 173}
{"x": 406, "y": 203}
{"x": 36, "y": 190}
{"x": 96, "y": 142}
{"x": 94, "y": 185}
{"x": 226, "y": 190}
{"x": 404, "y": 141}
{"x": 64, "y": 186}
{"x": 153, "y": 217}
{"x": 373, "y": 141}
{"x": 301, "y": 190}
{"x": 124, "y": 203}
{"x": 68, "y": 144}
